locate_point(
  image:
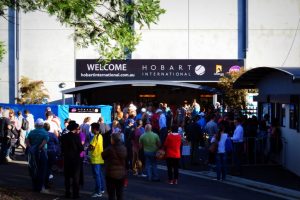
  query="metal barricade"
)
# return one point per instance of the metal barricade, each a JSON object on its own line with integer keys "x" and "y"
{"x": 257, "y": 150}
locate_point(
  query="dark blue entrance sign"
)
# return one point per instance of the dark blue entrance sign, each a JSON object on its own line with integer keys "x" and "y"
{"x": 167, "y": 70}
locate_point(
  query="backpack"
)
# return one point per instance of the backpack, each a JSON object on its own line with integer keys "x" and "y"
{"x": 25, "y": 124}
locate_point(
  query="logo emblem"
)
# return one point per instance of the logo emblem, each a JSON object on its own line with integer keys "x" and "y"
{"x": 200, "y": 70}
{"x": 235, "y": 68}
{"x": 219, "y": 68}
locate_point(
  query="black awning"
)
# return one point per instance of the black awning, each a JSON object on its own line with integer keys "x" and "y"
{"x": 250, "y": 78}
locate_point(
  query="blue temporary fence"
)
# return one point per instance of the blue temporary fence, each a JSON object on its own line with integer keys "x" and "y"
{"x": 62, "y": 111}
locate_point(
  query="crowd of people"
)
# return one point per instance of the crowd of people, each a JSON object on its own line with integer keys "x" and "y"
{"x": 138, "y": 137}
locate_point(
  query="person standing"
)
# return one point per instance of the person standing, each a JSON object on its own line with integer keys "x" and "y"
{"x": 196, "y": 138}
{"x": 172, "y": 147}
{"x": 96, "y": 148}
{"x": 163, "y": 131}
{"x": 238, "y": 145}
{"x": 221, "y": 138}
{"x": 211, "y": 127}
{"x": 54, "y": 128}
{"x": 37, "y": 154}
{"x": 15, "y": 128}
{"x": 150, "y": 143}
{"x": 71, "y": 148}
{"x": 85, "y": 128}
{"x": 52, "y": 153}
{"x": 137, "y": 158}
{"x": 129, "y": 134}
{"x": 30, "y": 118}
{"x": 22, "y": 130}
{"x": 115, "y": 167}
{"x": 5, "y": 128}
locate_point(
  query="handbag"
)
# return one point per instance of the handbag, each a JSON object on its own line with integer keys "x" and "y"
{"x": 160, "y": 154}
{"x": 213, "y": 147}
{"x": 138, "y": 164}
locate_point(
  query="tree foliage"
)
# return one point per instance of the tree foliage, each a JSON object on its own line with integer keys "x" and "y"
{"x": 233, "y": 99}
{"x": 32, "y": 92}
{"x": 2, "y": 50}
{"x": 106, "y": 24}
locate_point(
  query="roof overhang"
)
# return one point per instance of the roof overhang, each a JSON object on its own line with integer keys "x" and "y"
{"x": 252, "y": 77}
{"x": 140, "y": 83}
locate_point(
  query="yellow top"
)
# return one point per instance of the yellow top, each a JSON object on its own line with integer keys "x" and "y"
{"x": 95, "y": 154}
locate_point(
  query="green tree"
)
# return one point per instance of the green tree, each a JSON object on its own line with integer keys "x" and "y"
{"x": 32, "y": 92}
{"x": 233, "y": 99}
{"x": 2, "y": 50}
{"x": 106, "y": 24}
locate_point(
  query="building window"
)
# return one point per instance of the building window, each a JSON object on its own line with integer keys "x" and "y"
{"x": 294, "y": 109}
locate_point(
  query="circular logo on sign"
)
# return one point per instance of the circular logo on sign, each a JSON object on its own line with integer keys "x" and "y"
{"x": 235, "y": 68}
{"x": 200, "y": 70}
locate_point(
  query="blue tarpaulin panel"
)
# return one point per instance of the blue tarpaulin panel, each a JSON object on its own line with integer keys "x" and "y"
{"x": 62, "y": 111}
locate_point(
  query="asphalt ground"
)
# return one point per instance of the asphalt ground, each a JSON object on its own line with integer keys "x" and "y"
{"x": 14, "y": 177}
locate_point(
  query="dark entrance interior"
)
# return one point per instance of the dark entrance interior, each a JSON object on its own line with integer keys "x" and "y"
{"x": 174, "y": 95}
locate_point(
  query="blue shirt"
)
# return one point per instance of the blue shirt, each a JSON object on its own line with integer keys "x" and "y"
{"x": 162, "y": 121}
{"x": 37, "y": 136}
{"x": 52, "y": 144}
{"x": 238, "y": 135}
{"x": 202, "y": 122}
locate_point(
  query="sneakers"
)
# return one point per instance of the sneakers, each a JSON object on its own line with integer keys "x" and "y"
{"x": 45, "y": 191}
{"x": 174, "y": 181}
{"x": 95, "y": 195}
{"x": 135, "y": 174}
{"x": 102, "y": 192}
{"x": 142, "y": 175}
{"x": 8, "y": 159}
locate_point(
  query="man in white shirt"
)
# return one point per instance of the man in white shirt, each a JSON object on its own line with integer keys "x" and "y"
{"x": 238, "y": 145}
{"x": 53, "y": 126}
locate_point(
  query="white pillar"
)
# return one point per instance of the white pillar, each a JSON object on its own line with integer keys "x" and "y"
{"x": 215, "y": 99}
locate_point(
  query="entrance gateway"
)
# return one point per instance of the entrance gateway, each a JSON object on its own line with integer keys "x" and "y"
{"x": 162, "y": 80}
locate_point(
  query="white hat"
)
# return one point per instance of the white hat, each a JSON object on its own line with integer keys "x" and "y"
{"x": 158, "y": 110}
{"x": 39, "y": 122}
{"x": 143, "y": 110}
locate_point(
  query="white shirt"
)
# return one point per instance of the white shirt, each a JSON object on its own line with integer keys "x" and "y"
{"x": 53, "y": 126}
{"x": 238, "y": 135}
{"x": 30, "y": 120}
{"x": 221, "y": 145}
